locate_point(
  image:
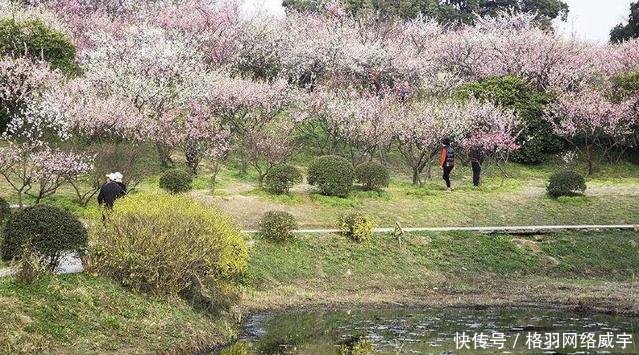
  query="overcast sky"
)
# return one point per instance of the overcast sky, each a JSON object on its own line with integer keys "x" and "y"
{"x": 590, "y": 20}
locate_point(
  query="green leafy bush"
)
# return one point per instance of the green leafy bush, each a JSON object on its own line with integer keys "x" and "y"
{"x": 332, "y": 174}
{"x": 625, "y": 85}
{"x": 281, "y": 178}
{"x": 170, "y": 245}
{"x": 50, "y": 231}
{"x": 357, "y": 226}
{"x": 176, "y": 181}
{"x": 277, "y": 226}
{"x": 372, "y": 175}
{"x": 5, "y": 210}
{"x": 566, "y": 183}
{"x": 33, "y": 39}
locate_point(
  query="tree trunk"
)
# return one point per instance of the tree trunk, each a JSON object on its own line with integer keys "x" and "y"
{"x": 416, "y": 178}
{"x": 164, "y": 153}
{"x": 192, "y": 156}
{"x": 589, "y": 156}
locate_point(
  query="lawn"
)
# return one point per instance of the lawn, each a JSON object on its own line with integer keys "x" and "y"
{"x": 518, "y": 199}
{"x": 81, "y": 314}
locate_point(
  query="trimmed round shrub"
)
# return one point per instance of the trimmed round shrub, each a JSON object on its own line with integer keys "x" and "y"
{"x": 372, "y": 175}
{"x": 170, "y": 245}
{"x": 35, "y": 40}
{"x": 357, "y": 226}
{"x": 176, "y": 181}
{"x": 5, "y": 210}
{"x": 566, "y": 183}
{"x": 48, "y": 230}
{"x": 332, "y": 174}
{"x": 281, "y": 178}
{"x": 277, "y": 226}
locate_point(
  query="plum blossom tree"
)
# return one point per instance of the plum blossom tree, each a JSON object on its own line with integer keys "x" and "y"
{"x": 203, "y": 135}
{"x": 472, "y": 124}
{"x": 421, "y": 130}
{"x": 258, "y": 47}
{"x": 250, "y": 109}
{"x": 154, "y": 69}
{"x": 513, "y": 45}
{"x": 588, "y": 119}
{"x": 24, "y": 168}
{"x": 492, "y": 133}
{"x": 345, "y": 122}
{"x": 269, "y": 147}
{"x": 22, "y": 82}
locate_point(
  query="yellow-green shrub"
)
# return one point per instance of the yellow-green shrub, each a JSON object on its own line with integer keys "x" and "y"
{"x": 169, "y": 245}
{"x": 357, "y": 226}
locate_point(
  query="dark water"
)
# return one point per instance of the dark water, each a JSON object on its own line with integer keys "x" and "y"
{"x": 441, "y": 331}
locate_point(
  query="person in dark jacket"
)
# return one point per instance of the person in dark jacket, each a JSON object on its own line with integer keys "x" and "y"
{"x": 476, "y": 159}
{"x": 112, "y": 190}
{"x": 447, "y": 162}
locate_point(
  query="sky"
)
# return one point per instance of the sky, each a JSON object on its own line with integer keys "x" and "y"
{"x": 589, "y": 20}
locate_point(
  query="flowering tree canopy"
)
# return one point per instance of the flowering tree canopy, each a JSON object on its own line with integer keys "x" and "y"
{"x": 590, "y": 116}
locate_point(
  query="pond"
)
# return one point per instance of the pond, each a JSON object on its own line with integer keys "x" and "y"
{"x": 438, "y": 331}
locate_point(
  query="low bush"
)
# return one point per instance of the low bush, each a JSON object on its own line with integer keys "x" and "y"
{"x": 372, "y": 175}
{"x": 48, "y": 230}
{"x": 281, "y": 178}
{"x": 332, "y": 174}
{"x": 176, "y": 181}
{"x": 277, "y": 226}
{"x": 566, "y": 183}
{"x": 5, "y": 210}
{"x": 170, "y": 245}
{"x": 30, "y": 267}
{"x": 357, "y": 227}
{"x": 355, "y": 346}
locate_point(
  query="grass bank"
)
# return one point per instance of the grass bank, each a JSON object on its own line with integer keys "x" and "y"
{"x": 574, "y": 269}
{"x": 80, "y": 314}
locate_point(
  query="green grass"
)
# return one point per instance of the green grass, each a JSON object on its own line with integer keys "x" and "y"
{"x": 384, "y": 261}
{"x": 515, "y": 200}
{"x": 81, "y": 314}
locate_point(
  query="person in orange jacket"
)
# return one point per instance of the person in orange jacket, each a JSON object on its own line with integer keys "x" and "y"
{"x": 447, "y": 162}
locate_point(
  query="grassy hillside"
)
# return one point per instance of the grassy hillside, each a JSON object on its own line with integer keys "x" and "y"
{"x": 80, "y": 314}
{"x": 331, "y": 269}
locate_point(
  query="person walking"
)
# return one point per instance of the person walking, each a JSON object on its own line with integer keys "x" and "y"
{"x": 447, "y": 162}
{"x": 111, "y": 190}
{"x": 476, "y": 159}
